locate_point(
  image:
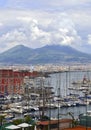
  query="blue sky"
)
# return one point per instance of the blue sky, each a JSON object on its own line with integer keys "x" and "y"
{"x": 36, "y": 23}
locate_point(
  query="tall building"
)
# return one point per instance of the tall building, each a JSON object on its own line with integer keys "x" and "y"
{"x": 12, "y": 82}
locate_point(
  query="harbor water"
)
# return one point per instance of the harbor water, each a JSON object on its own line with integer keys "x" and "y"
{"x": 60, "y": 83}
{"x": 63, "y": 81}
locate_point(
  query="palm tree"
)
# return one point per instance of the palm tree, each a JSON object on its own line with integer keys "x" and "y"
{"x": 74, "y": 121}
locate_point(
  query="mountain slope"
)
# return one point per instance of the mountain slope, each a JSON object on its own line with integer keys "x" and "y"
{"x": 47, "y": 54}
{"x": 17, "y": 54}
{"x": 58, "y": 54}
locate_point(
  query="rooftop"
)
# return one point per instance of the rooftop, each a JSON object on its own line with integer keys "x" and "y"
{"x": 78, "y": 128}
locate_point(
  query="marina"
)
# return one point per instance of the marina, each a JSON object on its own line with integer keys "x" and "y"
{"x": 58, "y": 96}
{"x": 58, "y": 88}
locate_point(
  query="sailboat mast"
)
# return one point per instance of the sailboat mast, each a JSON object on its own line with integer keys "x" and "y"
{"x": 43, "y": 96}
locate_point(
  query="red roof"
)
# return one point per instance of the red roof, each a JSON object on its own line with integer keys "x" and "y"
{"x": 78, "y": 128}
{"x": 53, "y": 121}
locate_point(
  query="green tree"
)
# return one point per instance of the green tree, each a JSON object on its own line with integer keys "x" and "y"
{"x": 17, "y": 121}
{"x": 27, "y": 119}
{"x": 2, "y": 119}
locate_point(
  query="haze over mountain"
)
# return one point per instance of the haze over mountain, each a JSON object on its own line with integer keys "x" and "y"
{"x": 21, "y": 54}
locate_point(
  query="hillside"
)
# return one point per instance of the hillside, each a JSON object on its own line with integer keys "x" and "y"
{"x": 47, "y": 54}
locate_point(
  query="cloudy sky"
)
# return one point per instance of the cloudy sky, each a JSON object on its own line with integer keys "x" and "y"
{"x": 35, "y": 23}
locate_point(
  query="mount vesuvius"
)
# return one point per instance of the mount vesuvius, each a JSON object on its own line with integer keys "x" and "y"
{"x": 21, "y": 54}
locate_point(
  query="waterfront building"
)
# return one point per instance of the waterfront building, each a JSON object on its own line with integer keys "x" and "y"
{"x": 11, "y": 81}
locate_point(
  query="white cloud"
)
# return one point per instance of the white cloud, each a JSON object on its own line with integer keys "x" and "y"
{"x": 38, "y": 28}
{"x": 12, "y": 38}
{"x": 81, "y": 17}
{"x": 43, "y": 4}
{"x": 63, "y": 31}
{"x": 1, "y": 24}
{"x": 89, "y": 39}
{"x": 67, "y": 3}
{"x": 37, "y": 32}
